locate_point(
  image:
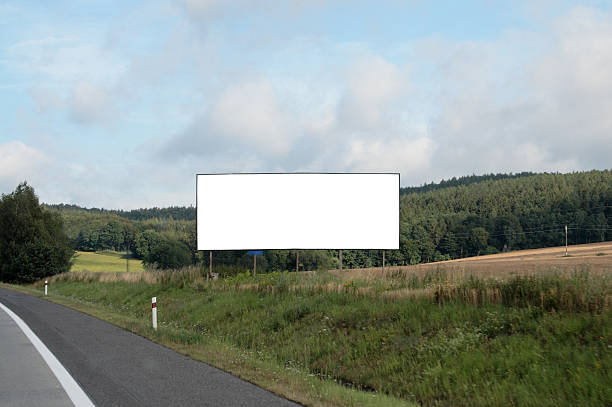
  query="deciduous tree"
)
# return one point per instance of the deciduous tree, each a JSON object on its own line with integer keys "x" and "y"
{"x": 33, "y": 244}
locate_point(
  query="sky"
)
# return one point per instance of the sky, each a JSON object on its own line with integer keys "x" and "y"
{"x": 118, "y": 104}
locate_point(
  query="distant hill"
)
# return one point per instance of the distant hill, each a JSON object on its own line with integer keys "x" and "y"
{"x": 172, "y": 212}
{"x": 455, "y": 218}
{"x": 506, "y": 213}
{"x": 465, "y": 180}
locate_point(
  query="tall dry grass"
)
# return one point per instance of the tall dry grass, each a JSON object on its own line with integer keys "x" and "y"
{"x": 549, "y": 289}
{"x": 182, "y": 276}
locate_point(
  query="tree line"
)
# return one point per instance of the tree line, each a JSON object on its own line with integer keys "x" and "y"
{"x": 174, "y": 212}
{"x": 463, "y": 181}
{"x": 507, "y": 214}
{"x": 461, "y": 217}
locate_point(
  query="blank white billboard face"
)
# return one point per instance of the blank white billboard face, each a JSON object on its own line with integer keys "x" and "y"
{"x": 297, "y": 211}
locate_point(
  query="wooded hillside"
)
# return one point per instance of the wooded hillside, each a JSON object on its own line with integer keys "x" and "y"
{"x": 460, "y": 217}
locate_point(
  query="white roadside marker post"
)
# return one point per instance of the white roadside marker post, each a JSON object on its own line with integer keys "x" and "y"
{"x": 46, "y": 283}
{"x": 154, "y": 310}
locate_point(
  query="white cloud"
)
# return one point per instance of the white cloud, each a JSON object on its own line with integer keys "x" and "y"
{"x": 90, "y": 103}
{"x": 69, "y": 73}
{"x": 408, "y": 156}
{"x": 573, "y": 85}
{"x": 205, "y": 11}
{"x": 64, "y": 59}
{"x": 19, "y": 162}
{"x": 244, "y": 99}
{"x": 551, "y": 112}
{"x": 245, "y": 119}
{"x": 366, "y": 129}
{"x": 374, "y": 85}
{"x": 250, "y": 114}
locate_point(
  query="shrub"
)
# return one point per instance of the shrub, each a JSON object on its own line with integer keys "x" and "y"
{"x": 169, "y": 254}
{"x": 490, "y": 250}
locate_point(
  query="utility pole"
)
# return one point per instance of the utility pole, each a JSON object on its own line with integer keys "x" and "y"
{"x": 254, "y": 265}
{"x": 566, "y": 240}
{"x": 209, "y": 265}
{"x": 297, "y": 261}
{"x": 383, "y": 260}
{"x": 127, "y": 260}
{"x": 340, "y": 257}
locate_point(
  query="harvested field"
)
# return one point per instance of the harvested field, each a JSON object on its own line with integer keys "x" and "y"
{"x": 594, "y": 257}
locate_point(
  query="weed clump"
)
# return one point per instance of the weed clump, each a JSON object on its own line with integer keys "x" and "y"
{"x": 577, "y": 292}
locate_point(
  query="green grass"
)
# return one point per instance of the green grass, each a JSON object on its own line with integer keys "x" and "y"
{"x": 528, "y": 341}
{"x": 104, "y": 261}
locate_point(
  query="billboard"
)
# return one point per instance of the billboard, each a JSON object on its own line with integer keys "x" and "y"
{"x": 297, "y": 211}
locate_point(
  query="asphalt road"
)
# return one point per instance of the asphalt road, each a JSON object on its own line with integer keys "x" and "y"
{"x": 117, "y": 368}
{"x": 25, "y": 378}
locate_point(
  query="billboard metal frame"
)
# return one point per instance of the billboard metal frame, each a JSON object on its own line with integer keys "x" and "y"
{"x": 297, "y": 173}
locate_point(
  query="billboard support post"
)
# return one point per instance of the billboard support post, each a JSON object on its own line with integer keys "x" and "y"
{"x": 383, "y": 260}
{"x": 209, "y": 265}
{"x": 297, "y": 261}
{"x": 254, "y": 265}
{"x": 340, "y": 258}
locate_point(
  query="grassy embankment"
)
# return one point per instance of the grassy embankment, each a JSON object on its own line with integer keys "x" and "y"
{"x": 435, "y": 338}
{"x": 104, "y": 261}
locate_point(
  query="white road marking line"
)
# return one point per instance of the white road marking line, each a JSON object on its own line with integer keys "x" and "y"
{"x": 72, "y": 388}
